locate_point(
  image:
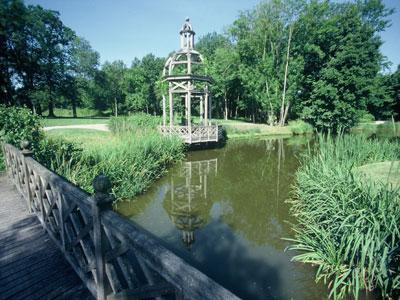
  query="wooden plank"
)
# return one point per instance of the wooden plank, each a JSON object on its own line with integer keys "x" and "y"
{"x": 31, "y": 265}
{"x": 145, "y": 292}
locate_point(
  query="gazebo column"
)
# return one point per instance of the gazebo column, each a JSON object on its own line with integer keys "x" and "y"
{"x": 189, "y": 109}
{"x": 206, "y": 107}
{"x": 201, "y": 110}
{"x": 189, "y": 63}
{"x": 209, "y": 106}
{"x": 171, "y": 108}
{"x": 164, "y": 110}
{"x": 186, "y": 110}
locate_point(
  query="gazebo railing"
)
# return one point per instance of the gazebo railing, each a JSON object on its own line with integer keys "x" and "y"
{"x": 194, "y": 133}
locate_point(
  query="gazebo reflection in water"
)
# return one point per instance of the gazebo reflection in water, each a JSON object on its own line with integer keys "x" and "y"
{"x": 187, "y": 205}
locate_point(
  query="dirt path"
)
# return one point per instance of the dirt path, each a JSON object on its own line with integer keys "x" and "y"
{"x": 101, "y": 127}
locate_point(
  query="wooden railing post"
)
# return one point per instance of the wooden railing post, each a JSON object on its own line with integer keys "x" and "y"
{"x": 102, "y": 200}
{"x": 27, "y": 152}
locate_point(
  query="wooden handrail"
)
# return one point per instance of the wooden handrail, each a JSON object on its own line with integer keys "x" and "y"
{"x": 114, "y": 257}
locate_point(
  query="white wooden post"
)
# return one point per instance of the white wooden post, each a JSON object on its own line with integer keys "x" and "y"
{"x": 164, "y": 112}
{"x": 189, "y": 105}
{"x": 171, "y": 107}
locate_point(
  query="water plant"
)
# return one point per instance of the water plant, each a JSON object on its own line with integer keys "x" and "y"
{"x": 347, "y": 226}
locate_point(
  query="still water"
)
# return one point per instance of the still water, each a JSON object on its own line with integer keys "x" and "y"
{"x": 224, "y": 211}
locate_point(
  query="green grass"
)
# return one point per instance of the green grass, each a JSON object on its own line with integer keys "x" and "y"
{"x": 299, "y": 127}
{"x": 81, "y": 113}
{"x": 84, "y": 137}
{"x": 381, "y": 172}
{"x": 131, "y": 159}
{"x": 73, "y": 121}
{"x": 388, "y": 129}
{"x": 349, "y": 228}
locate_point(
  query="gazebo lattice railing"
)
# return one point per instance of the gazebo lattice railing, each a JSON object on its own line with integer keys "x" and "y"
{"x": 194, "y": 134}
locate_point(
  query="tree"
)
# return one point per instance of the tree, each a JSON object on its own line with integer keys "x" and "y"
{"x": 82, "y": 68}
{"x": 341, "y": 60}
{"x": 114, "y": 73}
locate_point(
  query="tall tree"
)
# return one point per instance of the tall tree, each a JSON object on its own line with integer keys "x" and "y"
{"x": 115, "y": 73}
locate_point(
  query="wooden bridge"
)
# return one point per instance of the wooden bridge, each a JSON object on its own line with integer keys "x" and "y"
{"x": 57, "y": 241}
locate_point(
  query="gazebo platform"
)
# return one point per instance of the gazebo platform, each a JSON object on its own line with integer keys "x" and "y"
{"x": 194, "y": 134}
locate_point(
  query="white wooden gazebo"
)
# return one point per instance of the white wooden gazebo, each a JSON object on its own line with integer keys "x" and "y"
{"x": 184, "y": 85}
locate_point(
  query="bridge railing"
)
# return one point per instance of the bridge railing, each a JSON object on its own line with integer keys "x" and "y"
{"x": 115, "y": 258}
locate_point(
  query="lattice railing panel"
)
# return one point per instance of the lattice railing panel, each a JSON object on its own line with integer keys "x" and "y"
{"x": 195, "y": 133}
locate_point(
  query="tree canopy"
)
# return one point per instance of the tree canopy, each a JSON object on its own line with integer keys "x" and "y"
{"x": 319, "y": 61}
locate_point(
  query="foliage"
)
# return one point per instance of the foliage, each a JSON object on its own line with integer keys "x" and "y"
{"x": 319, "y": 61}
{"x": 134, "y": 123}
{"x": 39, "y": 57}
{"x": 300, "y": 127}
{"x": 57, "y": 153}
{"x": 346, "y": 227}
{"x": 18, "y": 124}
{"x": 234, "y": 130}
{"x": 2, "y": 162}
{"x": 132, "y": 160}
{"x": 366, "y": 117}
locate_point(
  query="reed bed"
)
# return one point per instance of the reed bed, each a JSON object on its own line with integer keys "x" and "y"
{"x": 132, "y": 158}
{"x": 347, "y": 226}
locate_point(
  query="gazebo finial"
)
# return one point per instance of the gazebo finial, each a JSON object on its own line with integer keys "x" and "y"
{"x": 187, "y": 35}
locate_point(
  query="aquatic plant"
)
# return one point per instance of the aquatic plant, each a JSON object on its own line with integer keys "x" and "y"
{"x": 347, "y": 226}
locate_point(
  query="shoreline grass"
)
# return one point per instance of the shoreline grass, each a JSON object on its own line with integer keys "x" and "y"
{"x": 346, "y": 227}
{"x": 132, "y": 160}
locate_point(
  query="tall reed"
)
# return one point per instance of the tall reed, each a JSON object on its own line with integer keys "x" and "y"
{"x": 133, "y": 157}
{"x": 347, "y": 226}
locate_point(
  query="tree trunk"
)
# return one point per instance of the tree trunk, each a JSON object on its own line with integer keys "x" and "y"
{"x": 38, "y": 109}
{"x": 51, "y": 107}
{"x": 115, "y": 106}
{"x": 225, "y": 107}
{"x": 283, "y": 108}
{"x": 74, "y": 114}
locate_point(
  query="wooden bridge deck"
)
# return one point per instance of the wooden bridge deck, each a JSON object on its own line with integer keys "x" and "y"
{"x": 31, "y": 265}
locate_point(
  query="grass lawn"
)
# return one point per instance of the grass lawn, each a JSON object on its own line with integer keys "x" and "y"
{"x": 73, "y": 121}
{"x": 387, "y": 172}
{"x": 239, "y": 128}
{"x": 388, "y": 129}
{"x": 85, "y": 137}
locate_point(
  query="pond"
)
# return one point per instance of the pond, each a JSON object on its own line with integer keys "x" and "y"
{"x": 224, "y": 211}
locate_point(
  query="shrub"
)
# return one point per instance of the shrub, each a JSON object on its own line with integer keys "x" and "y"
{"x": 18, "y": 124}
{"x": 366, "y": 117}
{"x": 300, "y": 127}
{"x": 131, "y": 160}
{"x": 347, "y": 227}
{"x": 234, "y": 130}
{"x": 57, "y": 154}
{"x": 139, "y": 121}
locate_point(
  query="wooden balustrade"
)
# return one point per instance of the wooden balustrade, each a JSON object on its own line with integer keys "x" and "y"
{"x": 115, "y": 258}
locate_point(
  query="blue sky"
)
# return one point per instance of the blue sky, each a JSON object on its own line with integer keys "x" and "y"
{"x": 125, "y": 29}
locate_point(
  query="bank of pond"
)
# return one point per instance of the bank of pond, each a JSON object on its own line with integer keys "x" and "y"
{"x": 265, "y": 216}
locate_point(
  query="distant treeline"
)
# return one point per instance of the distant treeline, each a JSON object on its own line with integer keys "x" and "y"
{"x": 285, "y": 59}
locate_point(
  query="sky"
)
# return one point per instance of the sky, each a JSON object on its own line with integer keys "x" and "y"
{"x": 125, "y": 29}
